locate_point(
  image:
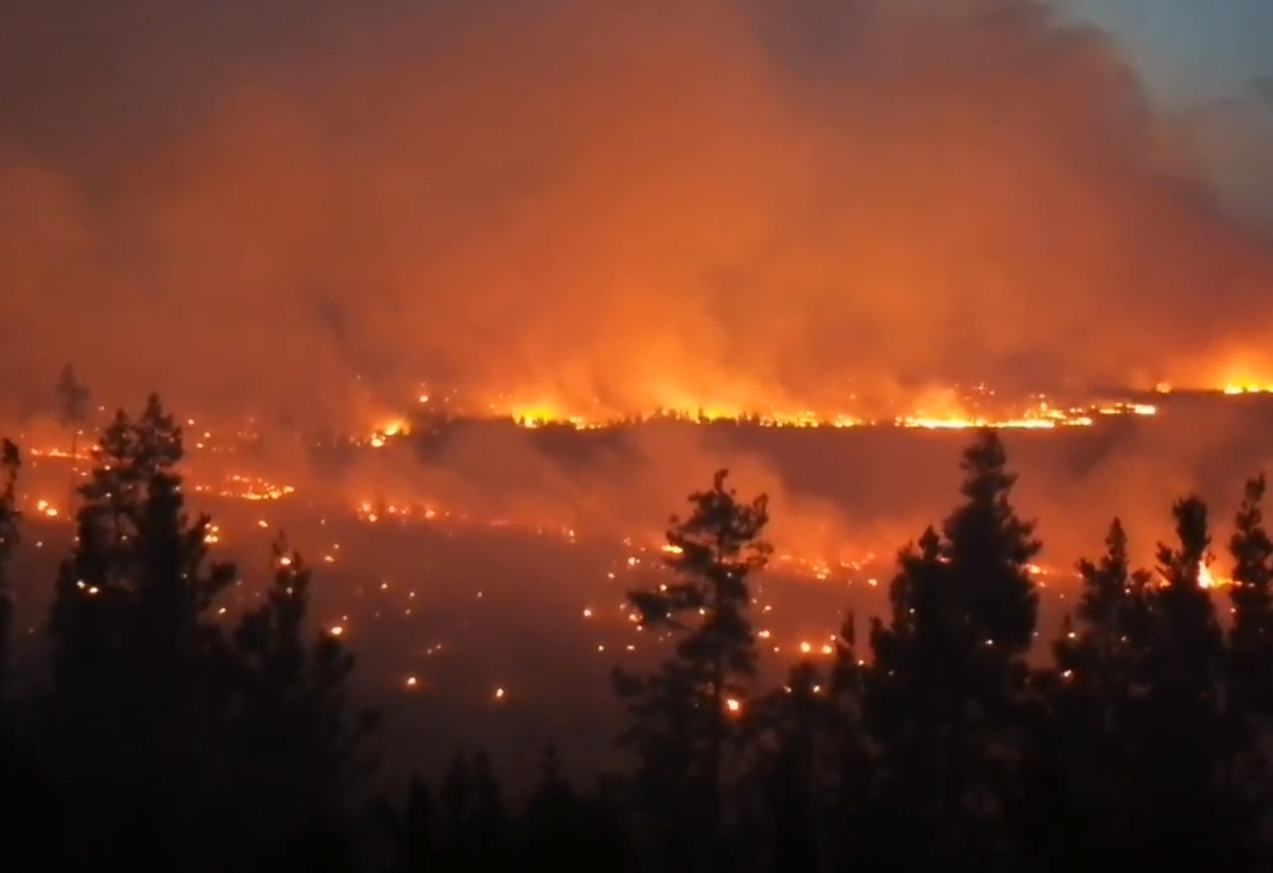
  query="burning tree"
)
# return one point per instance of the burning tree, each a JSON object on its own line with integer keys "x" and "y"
{"x": 684, "y": 715}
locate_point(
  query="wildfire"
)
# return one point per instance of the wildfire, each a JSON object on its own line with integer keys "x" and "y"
{"x": 1206, "y": 579}
{"x": 387, "y": 431}
{"x": 1236, "y": 389}
{"x": 948, "y": 412}
{"x": 1039, "y": 416}
{"x": 249, "y": 488}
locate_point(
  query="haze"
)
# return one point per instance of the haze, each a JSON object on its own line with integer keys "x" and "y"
{"x": 279, "y": 207}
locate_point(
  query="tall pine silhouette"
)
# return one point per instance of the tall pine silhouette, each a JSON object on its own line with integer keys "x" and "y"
{"x": 10, "y": 519}
{"x": 683, "y": 716}
{"x": 138, "y": 666}
{"x": 949, "y": 675}
{"x": 811, "y": 770}
{"x": 302, "y": 741}
{"x": 1251, "y": 595}
{"x": 1250, "y": 656}
{"x": 1100, "y": 670}
{"x": 1183, "y": 734}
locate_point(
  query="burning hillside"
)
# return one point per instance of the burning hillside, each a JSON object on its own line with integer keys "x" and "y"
{"x": 834, "y": 482}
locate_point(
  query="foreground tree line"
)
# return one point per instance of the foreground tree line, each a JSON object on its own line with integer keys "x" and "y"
{"x": 163, "y": 736}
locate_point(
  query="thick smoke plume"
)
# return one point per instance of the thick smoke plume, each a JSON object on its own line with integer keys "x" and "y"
{"x": 289, "y": 205}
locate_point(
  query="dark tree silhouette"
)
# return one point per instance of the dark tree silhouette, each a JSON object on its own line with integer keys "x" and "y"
{"x": 566, "y": 829}
{"x": 683, "y": 717}
{"x": 1098, "y": 646}
{"x": 10, "y": 520}
{"x": 411, "y": 834}
{"x": 1251, "y": 594}
{"x": 793, "y": 770}
{"x": 1250, "y": 651}
{"x": 812, "y": 770}
{"x": 138, "y": 664}
{"x": 949, "y": 676}
{"x": 466, "y": 825}
{"x": 169, "y": 735}
{"x": 1187, "y": 636}
{"x": 473, "y": 816}
{"x": 1183, "y": 736}
{"x": 23, "y": 790}
{"x": 1099, "y": 673}
{"x": 302, "y": 746}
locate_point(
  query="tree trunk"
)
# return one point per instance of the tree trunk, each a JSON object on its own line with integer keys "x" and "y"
{"x": 70, "y": 506}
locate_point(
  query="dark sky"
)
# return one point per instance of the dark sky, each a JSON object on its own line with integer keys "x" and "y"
{"x": 724, "y": 203}
{"x": 1191, "y": 50}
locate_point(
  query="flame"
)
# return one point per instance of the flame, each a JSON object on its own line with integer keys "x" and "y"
{"x": 1247, "y": 388}
{"x": 1208, "y": 580}
{"x": 1236, "y": 372}
{"x": 1039, "y": 416}
{"x": 934, "y": 408}
{"x": 814, "y": 568}
{"x": 942, "y": 410}
{"x": 387, "y": 430}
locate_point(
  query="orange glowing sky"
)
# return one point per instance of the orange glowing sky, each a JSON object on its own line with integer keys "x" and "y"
{"x": 752, "y": 204}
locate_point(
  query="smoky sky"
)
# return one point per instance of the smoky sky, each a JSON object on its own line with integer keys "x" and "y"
{"x": 283, "y": 205}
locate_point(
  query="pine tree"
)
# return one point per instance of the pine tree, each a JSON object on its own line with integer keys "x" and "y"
{"x": 683, "y": 716}
{"x": 24, "y": 797}
{"x": 793, "y": 771}
{"x": 302, "y": 743}
{"x": 855, "y": 766}
{"x": 472, "y": 817}
{"x": 564, "y": 828}
{"x": 949, "y": 675}
{"x": 1184, "y": 739}
{"x": 1099, "y": 649}
{"x": 1250, "y": 651}
{"x": 138, "y": 663}
{"x": 1251, "y": 594}
{"x": 1187, "y": 644}
{"x": 1090, "y": 739}
{"x": 811, "y": 772}
{"x": 411, "y": 834}
{"x": 10, "y": 519}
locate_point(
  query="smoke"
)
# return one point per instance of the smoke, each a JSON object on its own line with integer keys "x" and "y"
{"x": 748, "y": 204}
{"x": 303, "y": 210}
{"x": 1236, "y": 138}
{"x": 855, "y": 495}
